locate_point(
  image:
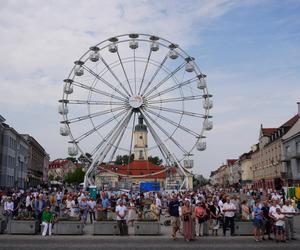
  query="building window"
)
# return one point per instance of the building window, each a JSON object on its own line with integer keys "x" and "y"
{"x": 298, "y": 147}
{"x": 298, "y": 165}
{"x": 141, "y": 154}
{"x": 287, "y": 149}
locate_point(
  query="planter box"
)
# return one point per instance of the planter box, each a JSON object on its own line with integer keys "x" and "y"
{"x": 68, "y": 227}
{"x": 243, "y": 228}
{"x": 22, "y": 227}
{"x": 106, "y": 228}
{"x": 2, "y": 225}
{"x": 146, "y": 228}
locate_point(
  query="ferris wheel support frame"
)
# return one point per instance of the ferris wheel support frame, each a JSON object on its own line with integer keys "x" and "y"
{"x": 100, "y": 155}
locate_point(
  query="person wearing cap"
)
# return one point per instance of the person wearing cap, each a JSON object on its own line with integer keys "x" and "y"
{"x": 47, "y": 218}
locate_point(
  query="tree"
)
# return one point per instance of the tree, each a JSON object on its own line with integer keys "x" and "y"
{"x": 72, "y": 159}
{"x": 75, "y": 177}
{"x": 155, "y": 160}
{"x": 123, "y": 159}
{"x": 84, "y": 158}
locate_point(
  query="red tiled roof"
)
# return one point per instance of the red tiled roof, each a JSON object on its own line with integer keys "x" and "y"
{"x": 231, "y": 161}
{"x": 268, "y": 131}
{"x": 291, "y": 121}
{"x": 57, "y": 163}
{"x": 138, "y": 168}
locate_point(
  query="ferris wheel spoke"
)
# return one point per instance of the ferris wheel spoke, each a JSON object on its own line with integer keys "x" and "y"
{"x": 165, "y": 79}
{"x": 122, "y": 65}
{"x": 93, "y": 130}
{"x": 98, "y": 91}
{"x": 92, "y": 115}
{"x": 145, "y": 70}
{"x": 119, "y": 141}
{"x": 115, "y": 135}
{"x": 177, "y": 111}
{"x": 155, "y": 74}
{"x": 114, "y": 75}
{"x": 163, "y": 148}
{"x": 131, "y": 140}
{"x": 134, "y": 71}
{"x": 167, "y": 134}
{"x": 109, "y": 134}
{"x": 174, "y": 123}
{"x": 176, "y": 86}
{"x": 105, "y": 82}
{"x": 94, "y": 102}
{"x": 176, "y": 99}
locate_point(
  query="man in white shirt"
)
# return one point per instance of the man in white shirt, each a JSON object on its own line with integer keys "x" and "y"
{"x": 289, "y": 213}
{"x": 229, "y": 210}
{"x": 121, "y": 212}
{"x": 8, "y": 207}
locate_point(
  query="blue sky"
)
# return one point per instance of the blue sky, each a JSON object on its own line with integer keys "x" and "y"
{"x": 250, "y": 51}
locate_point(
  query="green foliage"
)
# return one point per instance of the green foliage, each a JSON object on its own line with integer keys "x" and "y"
{"x": 75, "y": 177}
{"x": 83, "y": 159}
{"x": 155, "y": 160}
{"x": 72, "y": 159}
{"x": 123, "y": 159}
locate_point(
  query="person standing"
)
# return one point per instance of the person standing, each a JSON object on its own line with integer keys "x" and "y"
{"x": 154, "y": 211}
{"x": 289, "y": 213}
{"x": 173, "y": 209}
{"x": 267, "y": 223}
{"x": 84, "y": 208}
{"x": 215, "y": 214}
{"x": 132, "y": 215}
{"x": 121, "y": 212}
{"x": 188, "y": 225}
{"x": 91, "y": 204}
{"x": 229, "y": 210}
{"x": 257, "y": 221}
{"x": 47, "y": 218}
{"x": 8, "y": 209}
{"x": 200, "y": 214}
{"x": 279, "y": 223}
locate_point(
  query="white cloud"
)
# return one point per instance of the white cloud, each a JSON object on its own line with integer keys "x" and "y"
{"x": 40, "y": 40}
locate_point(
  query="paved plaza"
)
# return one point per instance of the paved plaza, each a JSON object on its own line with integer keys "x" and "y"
{"x": 89, "y": 241}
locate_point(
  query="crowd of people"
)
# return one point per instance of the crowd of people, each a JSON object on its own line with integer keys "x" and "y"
{"x": 203, "y": 212}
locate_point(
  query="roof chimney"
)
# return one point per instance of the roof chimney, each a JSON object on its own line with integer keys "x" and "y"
{"x": 298, "y": 103}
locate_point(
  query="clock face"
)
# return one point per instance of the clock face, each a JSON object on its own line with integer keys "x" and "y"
{"x": 141, "y": 137}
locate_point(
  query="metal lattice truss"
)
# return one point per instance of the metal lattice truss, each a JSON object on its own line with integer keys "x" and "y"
{"x": 128, "y": 76}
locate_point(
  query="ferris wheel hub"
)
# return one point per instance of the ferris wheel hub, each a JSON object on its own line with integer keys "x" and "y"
{"x": 135, "y": 101}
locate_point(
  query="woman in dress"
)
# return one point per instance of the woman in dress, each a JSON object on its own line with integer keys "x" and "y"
{"x": 154, "y": 211}
{"x": 132, "y": 215}
{"x": 245, "y": 211}
{"x": 188, "y": 225}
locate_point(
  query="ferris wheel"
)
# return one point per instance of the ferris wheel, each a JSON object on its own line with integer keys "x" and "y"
{"x": 130, "y": 80}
